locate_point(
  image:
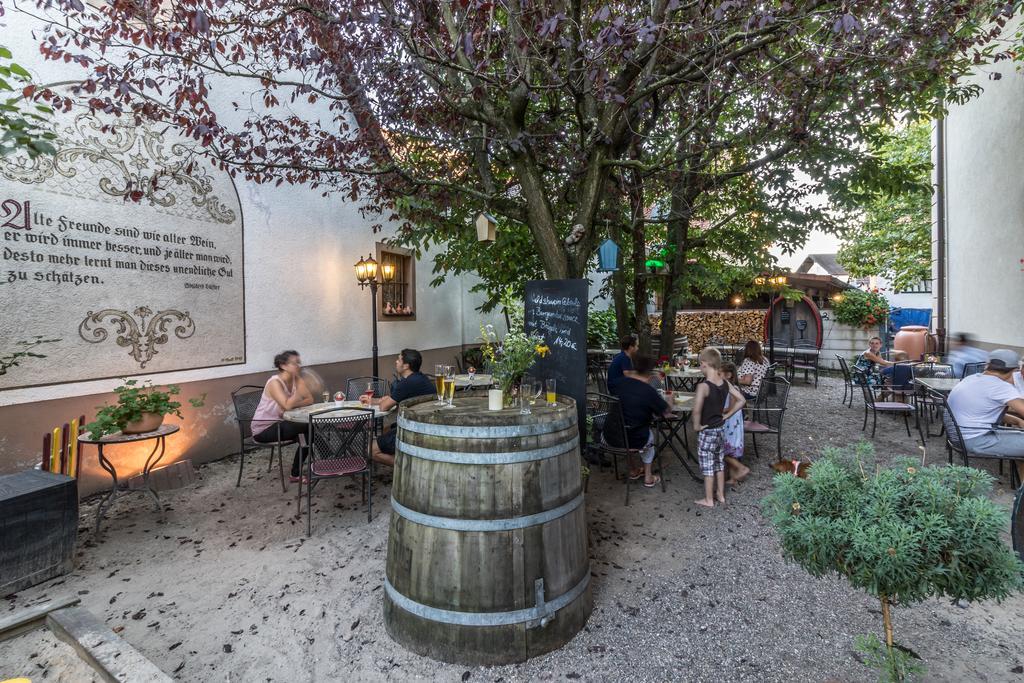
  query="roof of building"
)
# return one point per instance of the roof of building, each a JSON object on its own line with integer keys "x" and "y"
{"x": 827, "y": 261}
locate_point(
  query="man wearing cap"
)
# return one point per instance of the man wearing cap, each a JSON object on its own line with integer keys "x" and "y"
{"x": 979, "y": 402}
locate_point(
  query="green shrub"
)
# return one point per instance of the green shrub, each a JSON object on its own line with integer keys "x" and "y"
{"x": 601, "y": 330}
{"x": 132, "y": 402}
{"x": 861, "y": 309}
{"x": 902, "y": 534}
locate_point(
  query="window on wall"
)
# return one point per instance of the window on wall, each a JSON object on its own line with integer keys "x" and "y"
{"x": 924, "y": 287}
{"x": 397, "y": 297}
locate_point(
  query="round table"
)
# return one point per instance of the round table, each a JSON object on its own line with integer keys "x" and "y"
{"x": 301, "y": 415}
{"x": 159, "y": 435}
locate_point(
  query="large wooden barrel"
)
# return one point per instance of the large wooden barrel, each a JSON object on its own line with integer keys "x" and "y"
{"x": 487, "y": 549}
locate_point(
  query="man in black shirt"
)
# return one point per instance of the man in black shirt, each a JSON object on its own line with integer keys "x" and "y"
{"x": 641, "y": 404}
{"x": 413, "y": 383}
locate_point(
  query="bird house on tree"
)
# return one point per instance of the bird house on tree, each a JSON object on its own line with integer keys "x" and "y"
{"x": 608, "y": 257}
{"x": 486, "y": 227}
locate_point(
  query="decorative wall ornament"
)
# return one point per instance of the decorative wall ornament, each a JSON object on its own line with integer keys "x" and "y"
{"x": 141, "y": 337}
{"x": 128, "y": 162}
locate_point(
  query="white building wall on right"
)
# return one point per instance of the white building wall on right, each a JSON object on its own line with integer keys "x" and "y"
{"x": 984, "y": 202}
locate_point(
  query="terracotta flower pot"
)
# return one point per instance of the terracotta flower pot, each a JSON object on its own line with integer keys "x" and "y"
{"x": 147, "y": 423}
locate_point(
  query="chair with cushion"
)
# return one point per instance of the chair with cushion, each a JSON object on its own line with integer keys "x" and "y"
{"x": 357, "y": 386}
{"x": 339, "y": 446}
{"x": 973, "y": 369}
{"x": 874, "y": 406}
{"x": 768, "y": 411}
{"x": 606, "y": 414}
{"x": 246, "y": 399}
{"x": 847, "y": 379}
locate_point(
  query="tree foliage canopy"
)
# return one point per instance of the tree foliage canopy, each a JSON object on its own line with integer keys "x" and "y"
{"x": 559, "y": 117}
{"x": 893, "y": 238}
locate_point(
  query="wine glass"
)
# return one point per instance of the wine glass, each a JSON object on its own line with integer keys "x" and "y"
{"x": 449, "y": 380}
{"x": 439, "y": 383}
{"x": 339, "y": 397}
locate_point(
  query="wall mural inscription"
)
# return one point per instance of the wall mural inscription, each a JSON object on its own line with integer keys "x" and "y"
{"x": 124, "y": 248}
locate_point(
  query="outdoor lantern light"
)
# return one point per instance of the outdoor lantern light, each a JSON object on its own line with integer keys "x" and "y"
{"x": 737, "y": 300}
{"x": 608, "y": 256}
{"x": 361, "y": 270}
{"x": 387, "y": 271}
{"x": 486, "y": 227}
{"x": 371, "y": 268}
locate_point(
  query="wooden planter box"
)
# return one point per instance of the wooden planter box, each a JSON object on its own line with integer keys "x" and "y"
{"x": 38, "y": 526}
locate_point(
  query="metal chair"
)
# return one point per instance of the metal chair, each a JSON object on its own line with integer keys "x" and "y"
{"x": 805, "y": 357}
{"x": 359, "y": 385}
{"x": 847, "y": 379}
{"x": 767, "y": 413}
{"x": 973, "y": 369}
{"x": 874, "y": 407}
{"x": 607, "y": 411}
{"x": 928, "y": 401}
{"x": 246, "y": 399}
{"x": 339, "y": 446}
{"x": 597, "y": 374}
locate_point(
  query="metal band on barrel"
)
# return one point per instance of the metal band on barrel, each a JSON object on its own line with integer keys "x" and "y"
{"x": 486, "y": 432}
{"x": 502, "y": 458}
{"x": 461, "y": 524}
{"x": 539, "y": 613}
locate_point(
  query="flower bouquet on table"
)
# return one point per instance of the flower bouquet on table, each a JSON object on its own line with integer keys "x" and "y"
{"x": 509, "y": 359}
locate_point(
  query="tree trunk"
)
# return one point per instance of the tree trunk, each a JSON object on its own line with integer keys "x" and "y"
{"x": 679, "y": 232}
{"x": 623, "y": 317}
{"x": 640, "y": 290}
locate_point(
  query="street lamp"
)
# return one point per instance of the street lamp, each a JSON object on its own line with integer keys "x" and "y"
{"x": 366, "y": 274}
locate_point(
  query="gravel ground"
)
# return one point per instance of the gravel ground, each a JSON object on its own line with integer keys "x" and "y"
{"x": 234, "y": 593}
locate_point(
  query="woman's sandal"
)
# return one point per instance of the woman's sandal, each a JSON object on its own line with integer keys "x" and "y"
{"x": 633, "y": 476}
{"x": 654, "y": 482}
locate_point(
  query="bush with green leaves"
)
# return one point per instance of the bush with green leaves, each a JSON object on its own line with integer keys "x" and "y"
{"x": 601, "y": 329}
{"x": 861, "y": 309}
{"x": 902, "y": 533}
{"x": 133, "y": 400}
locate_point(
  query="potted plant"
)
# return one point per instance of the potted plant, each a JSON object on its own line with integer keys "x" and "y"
{"x": 139, "y": 409}
{"x": 902, "y": 534}
{"x": 509, "y": 359}
{"x": 858, "y": 308}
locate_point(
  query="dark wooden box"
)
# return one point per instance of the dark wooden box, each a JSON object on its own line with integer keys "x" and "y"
{"x": 38, "y": 526}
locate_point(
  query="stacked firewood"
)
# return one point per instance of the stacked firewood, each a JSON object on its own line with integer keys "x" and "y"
{"x": 726, "y": 327}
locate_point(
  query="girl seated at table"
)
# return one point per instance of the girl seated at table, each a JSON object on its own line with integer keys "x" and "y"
{"x": 733, "y": 434}
{"x": 880, "y": 371}
{"x": 752, "y": 370}
{"x": 284, "y": 391}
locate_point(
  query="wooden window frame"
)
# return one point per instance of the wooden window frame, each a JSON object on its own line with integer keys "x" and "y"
{"x": 409, "y": 275}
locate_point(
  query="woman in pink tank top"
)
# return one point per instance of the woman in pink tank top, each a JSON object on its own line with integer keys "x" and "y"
{"x": 283, "y": 391}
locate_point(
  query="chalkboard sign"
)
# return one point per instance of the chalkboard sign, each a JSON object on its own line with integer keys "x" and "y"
{"x": 557, "y": 311}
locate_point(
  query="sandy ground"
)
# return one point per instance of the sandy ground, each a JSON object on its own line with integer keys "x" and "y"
{"x": 38, "y": 655}
{"x": 227, "y": 588}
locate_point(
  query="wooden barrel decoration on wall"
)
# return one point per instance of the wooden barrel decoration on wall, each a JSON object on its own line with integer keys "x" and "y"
{"x": 487, "y": 549}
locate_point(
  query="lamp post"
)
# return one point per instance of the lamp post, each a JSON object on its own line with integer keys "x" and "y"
{"x": 775, "y": 283}
{"x": 366, "y": 274}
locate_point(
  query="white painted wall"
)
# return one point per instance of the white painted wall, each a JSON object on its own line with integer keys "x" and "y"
{"x": 300, "y": 286}
{"x": 984, "y": 200}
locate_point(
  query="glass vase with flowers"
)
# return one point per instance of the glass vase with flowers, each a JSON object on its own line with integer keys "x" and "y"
{"x": 509, "y": 359}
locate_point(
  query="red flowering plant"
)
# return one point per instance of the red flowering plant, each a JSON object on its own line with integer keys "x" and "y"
{"x": 861, "y": 309}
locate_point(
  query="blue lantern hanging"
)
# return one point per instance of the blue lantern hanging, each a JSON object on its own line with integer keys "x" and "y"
{"x": 608, "y": 257}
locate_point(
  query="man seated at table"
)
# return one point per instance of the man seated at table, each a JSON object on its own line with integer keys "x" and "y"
{"x": 412, "y": 383}
{"x": 963, "y": 352}
{"x": 978, "y": 402}
{"x": 622, "y": 364}
{"x": 641, "y": 404}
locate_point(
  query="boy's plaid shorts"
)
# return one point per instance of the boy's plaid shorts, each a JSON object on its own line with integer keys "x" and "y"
{"x": 711, "y": 451}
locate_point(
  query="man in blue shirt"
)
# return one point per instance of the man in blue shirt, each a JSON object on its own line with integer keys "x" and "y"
{"x": 622, "y": 362}
{"x": 412, "y": 383}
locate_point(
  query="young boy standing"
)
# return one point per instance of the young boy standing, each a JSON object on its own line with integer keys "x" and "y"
{"x": 709, "y": 416}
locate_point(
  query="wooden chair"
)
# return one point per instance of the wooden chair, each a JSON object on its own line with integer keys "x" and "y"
{"x": 246, "y": 399}
{"x": 339, "y": 446}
